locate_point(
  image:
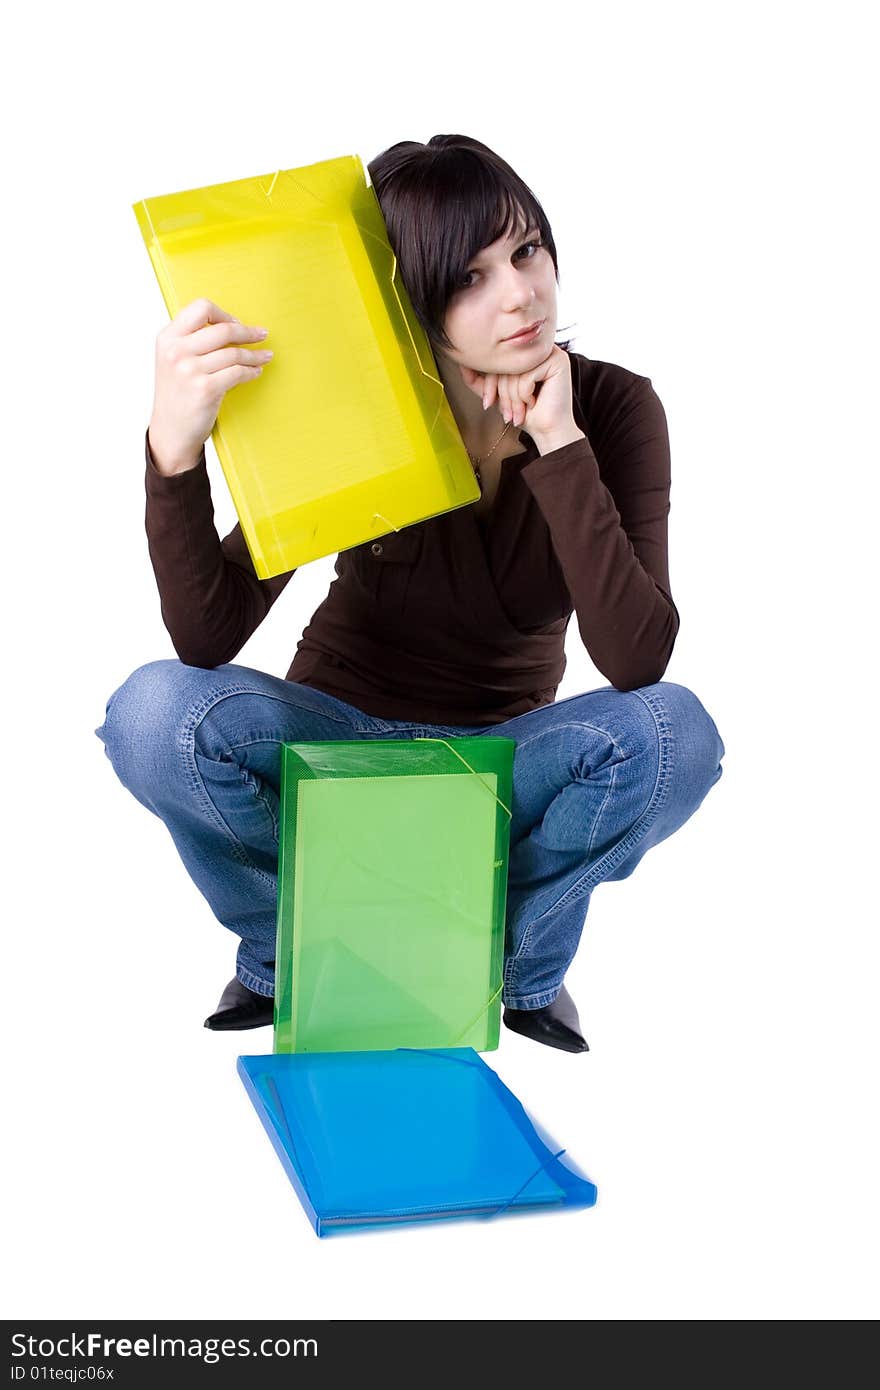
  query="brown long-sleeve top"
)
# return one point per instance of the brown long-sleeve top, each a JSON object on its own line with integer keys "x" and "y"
{"x": 460, "y": 619}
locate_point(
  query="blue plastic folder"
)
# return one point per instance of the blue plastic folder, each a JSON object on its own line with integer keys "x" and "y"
{"x": 392, "y": 1137}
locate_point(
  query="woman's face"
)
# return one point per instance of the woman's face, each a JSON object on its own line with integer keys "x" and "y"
{"x": 508, "y": 286}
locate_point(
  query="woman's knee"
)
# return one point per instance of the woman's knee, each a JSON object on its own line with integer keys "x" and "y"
{"x": 697, "y": 745}
{"x": 145, "y": 714}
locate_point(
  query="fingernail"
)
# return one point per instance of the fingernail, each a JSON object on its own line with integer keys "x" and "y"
{"x": 485, "y": 404}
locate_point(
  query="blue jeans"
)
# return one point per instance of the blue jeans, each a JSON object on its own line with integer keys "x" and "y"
{"x": 598, "y": 779}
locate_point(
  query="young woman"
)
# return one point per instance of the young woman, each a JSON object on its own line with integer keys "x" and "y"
{"x": 452, "y": 626}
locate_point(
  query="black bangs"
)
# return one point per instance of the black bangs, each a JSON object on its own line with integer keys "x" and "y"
{"x": 442, "y": 203}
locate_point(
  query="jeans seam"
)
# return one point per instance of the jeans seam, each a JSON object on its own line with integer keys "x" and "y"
{"x": 574, "y": 724}
{"x": 606, "y": 798}
{"x": 253, "y": 982}
{"x": 450, "y": 730}
{"x": 532, "y": 1001}
{"x": 186, "y": 745}
{"x": 250, "y": 780}
{"x": 620, "y": 850}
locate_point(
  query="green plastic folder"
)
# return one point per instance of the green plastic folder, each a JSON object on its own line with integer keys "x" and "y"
{"x": 392, "y": 889}
{"x": 348, "y": 433}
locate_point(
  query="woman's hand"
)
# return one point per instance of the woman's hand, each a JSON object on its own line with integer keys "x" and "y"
{"x": 538, "y": 400}
{"x": 199, "y": 357}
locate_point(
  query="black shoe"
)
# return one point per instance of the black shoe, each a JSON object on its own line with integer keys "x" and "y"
{"x": 557, "y": 1024}
{"x": 241, "y": 1007}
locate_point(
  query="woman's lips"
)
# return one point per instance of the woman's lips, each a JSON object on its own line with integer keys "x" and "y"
{"x": 528, "y": 336}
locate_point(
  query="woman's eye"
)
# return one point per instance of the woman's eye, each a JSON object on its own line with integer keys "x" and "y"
{"x": 537, "y": 245}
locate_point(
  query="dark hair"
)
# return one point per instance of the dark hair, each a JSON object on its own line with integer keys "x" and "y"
{"x": 441, "y": 204}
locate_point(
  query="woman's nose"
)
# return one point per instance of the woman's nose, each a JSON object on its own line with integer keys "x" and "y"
{"x": 519, "y": 296}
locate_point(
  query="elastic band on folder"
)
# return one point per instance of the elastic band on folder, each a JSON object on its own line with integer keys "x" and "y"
{"x": 505, "y": 1205}
{"x": 378, "y": 516}
{"x": 476, "y": 1018}
{"x": 432, "y": 738}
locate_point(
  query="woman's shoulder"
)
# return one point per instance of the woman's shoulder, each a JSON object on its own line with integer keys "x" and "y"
{"x": 604, "y": 392}
{"x": 600, "y": 380}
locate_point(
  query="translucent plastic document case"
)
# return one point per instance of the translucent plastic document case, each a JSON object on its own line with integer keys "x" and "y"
{"x": 383, "y": 1138}
{"x": 348, "y": 433}
{"x": 392, "y": 889}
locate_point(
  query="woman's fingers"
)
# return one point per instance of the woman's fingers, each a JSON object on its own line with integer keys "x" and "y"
{"x": 221, "y": 358}
{"x": 515, "y": 394}
{"x": 522, "y": 395}
{"x": 517, "y": 413}
{"x": 200, "y": 312}
{"x": 515, "y": 408}
{"x": 216, "y": 335}
{"x": 200, "y": 355}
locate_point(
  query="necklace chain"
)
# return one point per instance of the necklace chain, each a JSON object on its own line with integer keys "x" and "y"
{"x": 475, "y": 462}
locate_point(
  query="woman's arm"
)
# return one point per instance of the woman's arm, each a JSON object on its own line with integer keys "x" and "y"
{"x": 609, "y": 533}
{"x": 211, "y": 598}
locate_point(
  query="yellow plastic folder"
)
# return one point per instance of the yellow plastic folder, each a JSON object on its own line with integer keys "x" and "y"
{"x": 348, "y": 433}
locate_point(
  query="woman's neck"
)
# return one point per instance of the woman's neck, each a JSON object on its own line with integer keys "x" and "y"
{"x": 480, "y": 429}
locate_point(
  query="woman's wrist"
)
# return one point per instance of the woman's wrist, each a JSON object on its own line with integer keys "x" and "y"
{"x": 165, "y": 460}
{"x": 558, "y": 439}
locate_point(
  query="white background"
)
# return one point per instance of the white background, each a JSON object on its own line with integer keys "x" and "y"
{"x": 707, "y": 171}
